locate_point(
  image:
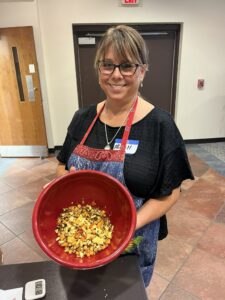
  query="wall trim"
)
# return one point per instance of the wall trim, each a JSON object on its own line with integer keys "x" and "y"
{"x": 194, "y": 141}
{"x": 204, "y": 141}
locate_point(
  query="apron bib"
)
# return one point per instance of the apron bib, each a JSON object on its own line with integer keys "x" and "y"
{"x": 112, "y": 163}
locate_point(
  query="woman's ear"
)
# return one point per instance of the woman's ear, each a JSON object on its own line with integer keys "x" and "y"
{"x": 144, "y": 69}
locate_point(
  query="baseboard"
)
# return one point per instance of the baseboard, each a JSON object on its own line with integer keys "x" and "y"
{"x": 204, "y": 141}
{"x": 53, "y": 150}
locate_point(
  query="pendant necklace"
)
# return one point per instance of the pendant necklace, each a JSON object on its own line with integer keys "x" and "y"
{"x": 107, "y": 146}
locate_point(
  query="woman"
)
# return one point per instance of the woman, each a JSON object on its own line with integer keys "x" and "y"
{"x": 130, "y": 139}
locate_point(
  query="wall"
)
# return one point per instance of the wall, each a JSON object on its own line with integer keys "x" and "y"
{"x": 199, "y": 113}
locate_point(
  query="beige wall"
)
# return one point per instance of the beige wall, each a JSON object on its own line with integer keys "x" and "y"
{"x": 199, "y": 113}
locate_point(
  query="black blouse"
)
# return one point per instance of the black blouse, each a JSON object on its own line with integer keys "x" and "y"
{"x": 160, "y": 163}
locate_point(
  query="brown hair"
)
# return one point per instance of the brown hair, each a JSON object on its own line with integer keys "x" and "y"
{"x": 127, "y": 44}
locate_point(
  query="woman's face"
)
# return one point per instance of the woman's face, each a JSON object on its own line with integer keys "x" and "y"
{"x": 117, "y": 86}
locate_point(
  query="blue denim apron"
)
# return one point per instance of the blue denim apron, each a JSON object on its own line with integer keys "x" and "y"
{"x": 112, "y": 163}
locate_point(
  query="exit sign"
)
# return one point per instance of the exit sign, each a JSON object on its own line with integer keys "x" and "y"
{"x": 127, "y": 2}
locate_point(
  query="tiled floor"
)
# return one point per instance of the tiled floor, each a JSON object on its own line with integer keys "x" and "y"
{"x": 191, "y": 261}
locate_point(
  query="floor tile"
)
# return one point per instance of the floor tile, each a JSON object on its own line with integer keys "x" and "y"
{"x": 174, "y": 292}
{"x": 213, "y": 240}
{"x": 198, "y": 166}
{"x": 156, "y": 287}
{"x": 4, "y": 187}
{"x": 204, "y": 197}
{"x": 53, "y": 159}
{"x": 19, "y": 220}
{"x": 10, "y": 169}
{"x": 5, "y": 234}
{"x": 28, "y": 238}
{"x": 33, "y": 189}
{"x": 217, "y": 149}
{"x": 19, "y": 177}
{"x": 50, "y": 177}
{"x": 214, "y": 162}
{"x": 46, "y": 169}
{"x": 29, "y": 163}
{"x": 24, "y": 253}
{"x": 11, "y": 200}
{"x": 220, "y": 217}
{"x": 186, "y": 225}
{"x": 218, "y": 181}
{"x": 170, "y": 257}
{"x": 5, "y": 165}
{"x": 203, "y": 275}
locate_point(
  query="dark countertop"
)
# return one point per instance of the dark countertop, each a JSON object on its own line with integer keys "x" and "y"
{"x": 120, "y": 280}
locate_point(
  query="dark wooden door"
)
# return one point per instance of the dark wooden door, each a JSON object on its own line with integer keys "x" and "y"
{"x": 160, "y": 82}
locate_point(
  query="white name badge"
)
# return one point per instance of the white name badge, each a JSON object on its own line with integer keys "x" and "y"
{"x": 131, "y": 146}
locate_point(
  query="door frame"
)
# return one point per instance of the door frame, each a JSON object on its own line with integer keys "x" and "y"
{"x": 88, "y": 29}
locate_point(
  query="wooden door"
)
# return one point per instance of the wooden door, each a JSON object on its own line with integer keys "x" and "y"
{"x": 22, "y": 125}
{"x": 160, "y": 82}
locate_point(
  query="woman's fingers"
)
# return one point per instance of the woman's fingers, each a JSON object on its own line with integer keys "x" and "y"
{"x": 72, "y": 169}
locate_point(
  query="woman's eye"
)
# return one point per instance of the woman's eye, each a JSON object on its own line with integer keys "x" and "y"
{"x": 127, "y": 66}
{"x": 107, "y": 65}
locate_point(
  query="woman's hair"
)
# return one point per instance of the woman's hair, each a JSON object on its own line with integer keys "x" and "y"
{"x": 126, "y": 43}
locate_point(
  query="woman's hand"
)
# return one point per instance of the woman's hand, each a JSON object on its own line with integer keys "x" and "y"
{"x": 72, "y": 169}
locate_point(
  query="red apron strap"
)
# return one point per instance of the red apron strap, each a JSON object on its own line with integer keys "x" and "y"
{"x": 91, "y": 126}
{"x": 128, "y": 126}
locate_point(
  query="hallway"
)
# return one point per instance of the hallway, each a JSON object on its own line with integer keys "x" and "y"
{"x": 191, "y": 261}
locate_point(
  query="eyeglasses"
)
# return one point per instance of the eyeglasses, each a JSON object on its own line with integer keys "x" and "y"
{"x": 126, "y": 69}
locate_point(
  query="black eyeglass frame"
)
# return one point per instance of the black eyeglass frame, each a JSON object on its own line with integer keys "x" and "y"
{"x": 118, "y": 66}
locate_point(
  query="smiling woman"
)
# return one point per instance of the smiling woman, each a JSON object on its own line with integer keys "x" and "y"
{"x": 129, "y": 139}
{"x": 121, "y": 63}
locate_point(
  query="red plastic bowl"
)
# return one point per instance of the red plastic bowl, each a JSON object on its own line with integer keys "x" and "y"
{"x": 71, "y": 189}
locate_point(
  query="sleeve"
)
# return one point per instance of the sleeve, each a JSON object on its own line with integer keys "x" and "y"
{"x": 71, "y": 140}
{"x": 174, "y": 166}
{"x": 77, "y": 127}
{"x": 66, "y": 150}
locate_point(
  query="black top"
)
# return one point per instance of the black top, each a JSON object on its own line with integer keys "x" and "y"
{"x": 160, "y": 163}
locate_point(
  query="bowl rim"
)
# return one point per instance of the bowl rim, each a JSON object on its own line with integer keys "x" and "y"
{"x": 87, "y": 265}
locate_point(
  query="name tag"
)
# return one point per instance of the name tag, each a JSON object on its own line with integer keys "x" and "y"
{"x": 131, "y": 146}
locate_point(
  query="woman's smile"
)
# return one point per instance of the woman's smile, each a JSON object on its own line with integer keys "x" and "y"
{"x": 116, "y": 86}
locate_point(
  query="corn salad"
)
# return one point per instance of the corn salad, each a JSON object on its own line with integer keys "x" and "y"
{"x": 83, "y": 230}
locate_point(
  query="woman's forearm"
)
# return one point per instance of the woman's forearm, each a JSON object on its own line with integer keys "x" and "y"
{"x": 156, "y": 208}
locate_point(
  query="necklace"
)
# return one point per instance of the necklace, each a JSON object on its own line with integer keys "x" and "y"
{"x": 107, "y": 146}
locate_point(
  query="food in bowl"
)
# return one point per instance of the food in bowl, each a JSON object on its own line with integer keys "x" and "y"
{"x": 83, "y": 230}
{"x": 84, "y": 187}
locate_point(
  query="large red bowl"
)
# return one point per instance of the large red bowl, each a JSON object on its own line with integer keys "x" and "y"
{"x": 84, "y": 187}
